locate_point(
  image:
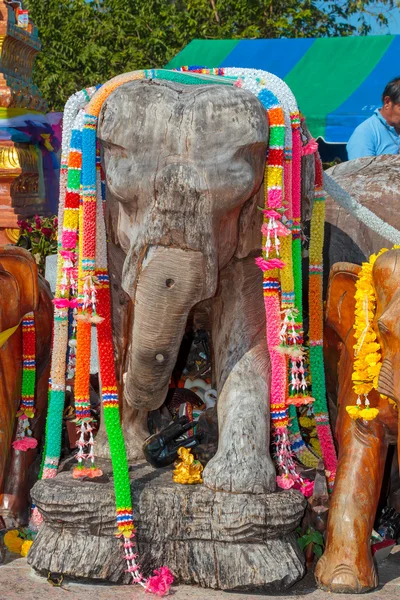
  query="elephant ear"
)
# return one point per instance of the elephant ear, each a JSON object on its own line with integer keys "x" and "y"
{"x": 22, "y": 266}
{"x": 250, "y": 222}
{"x": 10, "y": 312}
{"x": 340, "y": 301}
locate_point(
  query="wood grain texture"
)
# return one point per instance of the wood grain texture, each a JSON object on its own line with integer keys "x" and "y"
{"x": 206, "y": 538}
{"x": 242, "y": 370}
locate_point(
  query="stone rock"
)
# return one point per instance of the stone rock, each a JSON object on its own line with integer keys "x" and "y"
{"x": 213, "y": 539}
{"x": 374, "y": 182}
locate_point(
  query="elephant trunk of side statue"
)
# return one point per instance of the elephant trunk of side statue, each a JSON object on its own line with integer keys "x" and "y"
{"x": 388, "y": 385}
{"x": 170, "y": 282}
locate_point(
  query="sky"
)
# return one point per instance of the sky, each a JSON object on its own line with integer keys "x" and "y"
{"x": 392, "y": 28}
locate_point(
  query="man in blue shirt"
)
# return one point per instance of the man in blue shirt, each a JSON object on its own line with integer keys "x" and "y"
{"x": 380, "y": 134}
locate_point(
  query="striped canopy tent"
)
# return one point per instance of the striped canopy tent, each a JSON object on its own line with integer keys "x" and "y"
{"x": 338, "y": 82}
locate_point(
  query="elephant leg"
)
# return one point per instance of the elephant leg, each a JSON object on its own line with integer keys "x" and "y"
{"x": 242, "y": 369}
{"x": 347, "y": 565}
{"x": 15, "y": 501}
{"x": 10, "y": 385}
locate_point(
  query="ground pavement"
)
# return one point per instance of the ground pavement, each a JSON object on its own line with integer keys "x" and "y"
{"x": 19, "y": 582}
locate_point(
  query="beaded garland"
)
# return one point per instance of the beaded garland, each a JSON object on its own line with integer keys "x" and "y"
{"x": 24, "y": 440}
{"x": 315, "y": 297}
{"x": 281, "y": 185}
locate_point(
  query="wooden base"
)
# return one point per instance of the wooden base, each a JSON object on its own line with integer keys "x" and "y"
{"x": 213, "y": 539}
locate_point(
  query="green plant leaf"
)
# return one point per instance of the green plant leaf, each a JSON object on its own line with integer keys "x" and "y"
{"x": 303, "y": 542}
{"x": 317, "y": 550}
{"x": 317, "y": 538}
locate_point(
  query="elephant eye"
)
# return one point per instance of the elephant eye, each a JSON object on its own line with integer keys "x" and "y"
{"x": 382, "y": 327}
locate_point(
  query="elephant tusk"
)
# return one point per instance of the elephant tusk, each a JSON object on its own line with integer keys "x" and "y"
{"x": 360, "y": 212}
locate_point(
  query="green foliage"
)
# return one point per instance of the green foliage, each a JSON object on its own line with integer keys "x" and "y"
{"x": 332, "y": 163}
{"x": 39, "y": 236}
{"x": 311, "y": 537}
{"x": 86, "y": 42}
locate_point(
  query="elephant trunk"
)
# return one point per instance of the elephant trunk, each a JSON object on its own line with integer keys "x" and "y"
{"x": 388, "y": 386}
{"x": 169, "y": 284}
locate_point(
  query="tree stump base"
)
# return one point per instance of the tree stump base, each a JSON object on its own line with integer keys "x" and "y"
{"x": 214, "y": 539}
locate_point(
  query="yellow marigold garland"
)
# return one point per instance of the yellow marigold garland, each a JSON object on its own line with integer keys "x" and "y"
{"x": 367, "y": 350}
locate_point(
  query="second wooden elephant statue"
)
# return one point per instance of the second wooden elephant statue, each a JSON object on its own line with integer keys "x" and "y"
{"x": 347, "y": 565}
{"x": 21, "y": 292}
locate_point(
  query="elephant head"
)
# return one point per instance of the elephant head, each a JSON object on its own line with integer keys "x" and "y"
{"x": 340, "y": 309}
{"x": 386, "y": 276}
{"x": 18, "y": 281}
{"x": 183, "y": 167}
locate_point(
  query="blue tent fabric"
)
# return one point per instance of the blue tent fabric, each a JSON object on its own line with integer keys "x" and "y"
{"x": 338, "y": 82}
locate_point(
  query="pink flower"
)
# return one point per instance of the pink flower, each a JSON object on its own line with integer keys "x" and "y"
{"x": 38, "y": 222}
{"x": 271, "y": 263}
{"x": 61, "y": 302}
{"x": 69, "y": 239}
{"x": 281, "y": 230}
{"x": 269, "y": 212}
{"x": 160, "y": 583}
{"x": 25, "y": 443}
{"x": 307, "y": 488}
{"x": 68, "y": 254}
{"x": 285, "y": 482}
{"x": 275, "y": 197}
{"x": 281, "y": 430}
{"x": 310, "y": 148}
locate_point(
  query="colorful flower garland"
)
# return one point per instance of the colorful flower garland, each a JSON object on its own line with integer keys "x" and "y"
{"x": 315, "y": 297}
{"x": 284, "y": 336}
{"x": 24, "y": 440}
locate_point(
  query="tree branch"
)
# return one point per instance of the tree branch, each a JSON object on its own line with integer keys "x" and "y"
{"x": 217, "y": 17}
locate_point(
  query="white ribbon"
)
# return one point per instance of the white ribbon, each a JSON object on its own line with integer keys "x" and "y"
{"x": 360, "y": 212}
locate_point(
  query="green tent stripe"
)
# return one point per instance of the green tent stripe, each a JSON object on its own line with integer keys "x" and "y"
{"x": 209, "y": 54}
{"x": 329, "y": 62}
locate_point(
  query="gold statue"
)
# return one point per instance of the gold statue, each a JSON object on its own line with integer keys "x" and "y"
{"x": 187, "y": 469}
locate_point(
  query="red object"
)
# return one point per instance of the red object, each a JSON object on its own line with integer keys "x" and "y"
{"x": 22, "y": 18}
{"x": 380, "y": 545}
{"x": 381, "y": 550}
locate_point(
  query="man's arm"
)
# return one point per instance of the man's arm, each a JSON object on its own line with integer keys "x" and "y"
{"x": 362, "y": 142}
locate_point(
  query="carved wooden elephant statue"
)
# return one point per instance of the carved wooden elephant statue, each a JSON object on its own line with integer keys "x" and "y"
{"x": 347, "y": 564}
{"x": 21, "y": 292}
{"x": 184, "y": 231}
